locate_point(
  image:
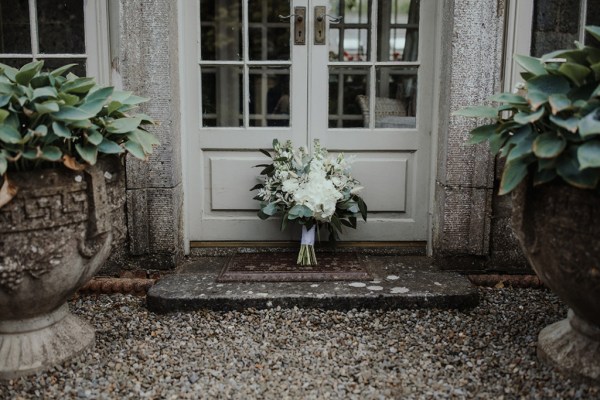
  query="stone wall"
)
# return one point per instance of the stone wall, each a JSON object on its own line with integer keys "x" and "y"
{"x": 471, "y": 66}
{"x": 147, "y": 63}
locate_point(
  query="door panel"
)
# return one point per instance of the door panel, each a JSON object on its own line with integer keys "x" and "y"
{"x": 356, "y": 93}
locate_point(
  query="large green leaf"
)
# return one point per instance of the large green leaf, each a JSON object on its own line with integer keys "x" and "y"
{"x": 543, "y": 176}
{"x": 95, "y": 137}
{"x": 51, "y": 153}
{"x": 109, "y": 147}
{"x": 145, "y": 139}
{"x": 526, "y": 118}
{"x": 3, "y": 115}
{"x": 88, "y": 152}
{"x": 588, "y": 154}
{"x": 530, "y": 64}
{"x": 513, "y": 174}
{"x": 69, "y": 113}
{"x": 509, "y": 98}
{"x": 133, "y": 100}
{"x": 523, "y": 148}
{"x": 537, "y": 99}
{"x": 61, "y": 130}
{"x": 497, "y": 141}
{"x": 28, "y": 71}
{"x": 123, "y": 125}
{"x": 69, "y": 99}
{"x": 571, "y": 55}
{"x": 46, "y": 91}
{"x": 594, "y": 31}
{"x": 7, "y": 88}
{"x": 47, "y": 107}
{"x": 478, "y": 112}
{"x": 62, "y": 70}
{"x": 120, "y": 96}
{"x": 589, "y": 125}
{"x": 575, "y": 72}
{"x": 548, "y": 145}
{"x": 4, "y": 100}
{"x": 135, "y": 149}
{"x": 9, "y": 134}
{"x": 92, "y": 107}
{"x": 569, "y": 169}
{"x": 100, "y": 94}
{"x": 482, "y": 133}
{"x": 10, "y": 72}
{"x": 79, "y": 85}
{"x": 549, "y": 84}
{"x": 559, "y": 102}
{"x": 3, "y": 164}
{"x": 569, "y": 124}
{"x": 596, "y": 68}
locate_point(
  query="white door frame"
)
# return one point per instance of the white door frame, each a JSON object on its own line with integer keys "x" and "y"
{"x": 189, "y": 88}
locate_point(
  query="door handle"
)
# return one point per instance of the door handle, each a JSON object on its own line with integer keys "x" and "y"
{"x": 320, "y": 25}
{"x": 299, "y": 24}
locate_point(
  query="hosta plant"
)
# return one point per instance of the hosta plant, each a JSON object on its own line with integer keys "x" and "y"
{"x": 52, "y": 118}
{"x": 551, "y": 127}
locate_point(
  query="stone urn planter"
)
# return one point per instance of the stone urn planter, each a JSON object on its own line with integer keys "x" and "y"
{"x": 54, "y": 235}
{"x": 558, "y": 227}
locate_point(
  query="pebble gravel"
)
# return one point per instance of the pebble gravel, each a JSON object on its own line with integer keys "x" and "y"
{"x": 488, "y": 352}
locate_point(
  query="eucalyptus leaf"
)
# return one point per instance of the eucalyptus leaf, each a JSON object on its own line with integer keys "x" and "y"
{"x": 270, "y": 209}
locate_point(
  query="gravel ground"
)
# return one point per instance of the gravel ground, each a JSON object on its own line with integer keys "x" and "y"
{"x": 487, "y": 352}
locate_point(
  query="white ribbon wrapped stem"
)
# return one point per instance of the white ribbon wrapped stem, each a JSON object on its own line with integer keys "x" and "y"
{"x": 308, "y": 235}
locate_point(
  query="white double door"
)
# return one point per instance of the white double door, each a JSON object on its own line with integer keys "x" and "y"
{"x": 255, "y": 70}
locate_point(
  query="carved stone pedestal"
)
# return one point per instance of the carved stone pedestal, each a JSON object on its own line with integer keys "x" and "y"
{"x": 573, "y": 346}
{"x": 54, "y": 236}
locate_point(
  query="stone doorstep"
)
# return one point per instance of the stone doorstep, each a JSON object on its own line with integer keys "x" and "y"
{"x": 398, "y": 282}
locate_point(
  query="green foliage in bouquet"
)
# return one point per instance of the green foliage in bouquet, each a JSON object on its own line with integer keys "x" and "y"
{"x": 552, "y": 128}
{"x": 309, "y": 190}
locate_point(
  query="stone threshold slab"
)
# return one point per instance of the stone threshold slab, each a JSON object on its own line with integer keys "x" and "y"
{"x": 398, "y": 282}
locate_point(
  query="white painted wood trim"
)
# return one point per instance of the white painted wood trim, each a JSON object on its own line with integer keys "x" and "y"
{"x": 97, "y": 40}
{"x": 519, "y": 24}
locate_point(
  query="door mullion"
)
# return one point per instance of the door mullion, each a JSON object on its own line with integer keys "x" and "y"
{"x": 246, "y": 71}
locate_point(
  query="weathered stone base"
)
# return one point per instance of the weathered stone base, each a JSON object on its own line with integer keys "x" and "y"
{"x": 31, "y": 345}
{"x": 572, "y": 346}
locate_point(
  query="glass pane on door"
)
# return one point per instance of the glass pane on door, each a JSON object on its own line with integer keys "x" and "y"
{"x": 245, "y": 63}
{"x": 373, "y": 87}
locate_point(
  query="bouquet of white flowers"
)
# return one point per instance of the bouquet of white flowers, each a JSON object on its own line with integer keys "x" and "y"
{"x": 313, "y": 191}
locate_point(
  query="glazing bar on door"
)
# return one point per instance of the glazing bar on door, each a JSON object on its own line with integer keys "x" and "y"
{"x": 300, "y": 25}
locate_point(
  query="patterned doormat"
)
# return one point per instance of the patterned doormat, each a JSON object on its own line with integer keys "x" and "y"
{"x": 282, "y": 267}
